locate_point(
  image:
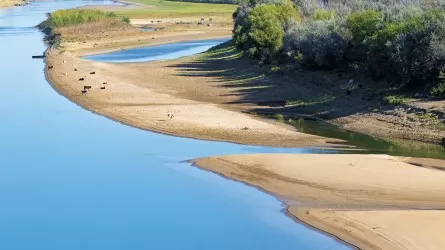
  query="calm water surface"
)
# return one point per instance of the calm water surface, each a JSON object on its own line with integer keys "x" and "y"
{"x": 70, "y": 179}
{"x": 159, "y": 52}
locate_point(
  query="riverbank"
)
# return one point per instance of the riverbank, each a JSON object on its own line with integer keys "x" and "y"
{"x": 230, "y": 78}
{"x": 141, "y": 96}
{"x": 370, "y": 201}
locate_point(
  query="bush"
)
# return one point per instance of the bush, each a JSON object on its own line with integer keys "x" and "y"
{"x": 321, "y": 43}
{"x": 394, "y": 100}
{"x": 65, "y": 18}
{"x": 265, "y": 31}
{"x": 321, "y": 14}
{"x": 260, "y": 28}
{"x": 363, "y": 24}
{"x": 439, "y": 89}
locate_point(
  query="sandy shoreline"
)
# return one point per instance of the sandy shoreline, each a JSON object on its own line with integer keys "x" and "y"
{"x": 133, "y": 100}
{"x": 10, "y": 3}
{"x": 377, "y": 202}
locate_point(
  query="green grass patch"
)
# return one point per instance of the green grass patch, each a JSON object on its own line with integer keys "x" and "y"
{"x": 394, "y": 100}
{"x": 166, "y": 9}
{"x": 427, "y": 116}
{"x": 279, "y": 117}
{"x": 72, "y": 17}
{"x": 321, "y": 99}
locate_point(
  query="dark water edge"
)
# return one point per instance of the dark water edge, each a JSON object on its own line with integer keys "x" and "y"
{"x": 369, "y": 144}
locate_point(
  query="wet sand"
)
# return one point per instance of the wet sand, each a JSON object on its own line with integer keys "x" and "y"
{"x": 369, "y": 201}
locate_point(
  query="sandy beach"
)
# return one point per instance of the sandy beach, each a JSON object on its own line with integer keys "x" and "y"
{"x": 369, "y": 201}
{"x": 142, "y": 95}
{"x": 9, "y": 3}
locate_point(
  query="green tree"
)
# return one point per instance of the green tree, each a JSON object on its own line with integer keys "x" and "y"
{"x": 266, "y": 31}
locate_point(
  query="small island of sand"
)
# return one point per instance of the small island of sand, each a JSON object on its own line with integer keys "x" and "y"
{"x": 369, "y": 201}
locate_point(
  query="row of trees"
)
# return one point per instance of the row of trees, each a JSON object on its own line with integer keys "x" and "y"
{"x": 400, "y": 40}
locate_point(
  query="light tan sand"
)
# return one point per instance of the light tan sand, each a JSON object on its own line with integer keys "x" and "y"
{"x": 132, "y": 97}
{"x": 370, "y": 201}
{"x": 381, "y": 229}
{"x": 9, "y": 3}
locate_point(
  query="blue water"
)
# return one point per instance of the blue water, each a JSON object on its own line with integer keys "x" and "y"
{"x": 159, "y": 52}
{"x": 70, "y": 179}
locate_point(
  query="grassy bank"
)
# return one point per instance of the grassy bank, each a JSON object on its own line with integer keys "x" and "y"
{"x": 76, "y": 22}
{"x": 171, "y": 9}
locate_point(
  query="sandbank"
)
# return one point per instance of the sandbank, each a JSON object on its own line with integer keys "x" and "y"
{"x": 369, "y": 201}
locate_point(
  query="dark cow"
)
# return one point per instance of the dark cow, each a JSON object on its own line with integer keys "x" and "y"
{"x": 92, "y": 73}
{"x": 83, "y": 92}
{"x": 86, "y": 87}
{"x": 82, "y": 79}
{"x": 104, "y": 83}
{"x": 50, "y": 66}
{"x": 102, "y": 87}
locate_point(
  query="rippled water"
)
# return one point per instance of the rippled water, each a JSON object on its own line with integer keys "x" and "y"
{"x": 70, "y": 179}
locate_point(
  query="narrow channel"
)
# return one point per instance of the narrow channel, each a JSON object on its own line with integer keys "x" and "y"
{"x": 70, "y": 179}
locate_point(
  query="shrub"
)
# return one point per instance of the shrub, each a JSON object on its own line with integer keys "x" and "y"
{"x": 64, "y": 18}
{"x": 394, "y": 100}
{"x": 265, "y": 31}
{"x": 439, "y": 89}
{"x": 321, "y": 14}
{"x": 363, "y": 24}
{"x": 321, "y": 43}
{"x": 259, "y": 28}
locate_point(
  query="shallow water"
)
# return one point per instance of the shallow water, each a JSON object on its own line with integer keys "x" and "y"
{"x": 70, "y": 179}
{"x": 158, "y": 52}
{"x": 373, "y": 145}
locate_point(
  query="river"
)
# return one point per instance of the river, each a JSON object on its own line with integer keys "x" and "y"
{"x": 70, "y": 179}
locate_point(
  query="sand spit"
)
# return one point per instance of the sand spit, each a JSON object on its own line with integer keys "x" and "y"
{"x": 135, "y": 96}
{"x": 370, "y": 201}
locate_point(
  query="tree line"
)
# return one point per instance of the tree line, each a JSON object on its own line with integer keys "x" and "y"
{"x": 402, "y": 41}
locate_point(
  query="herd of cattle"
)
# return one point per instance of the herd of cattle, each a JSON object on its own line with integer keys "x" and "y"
{"x": 86, "y": 88}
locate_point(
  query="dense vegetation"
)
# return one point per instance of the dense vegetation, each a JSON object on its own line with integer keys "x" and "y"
{"x": 64, "y": 18}
{"x": 402, "y": 41}
{"x": 79, "y": 22}
{"x": 209, "y": 1}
